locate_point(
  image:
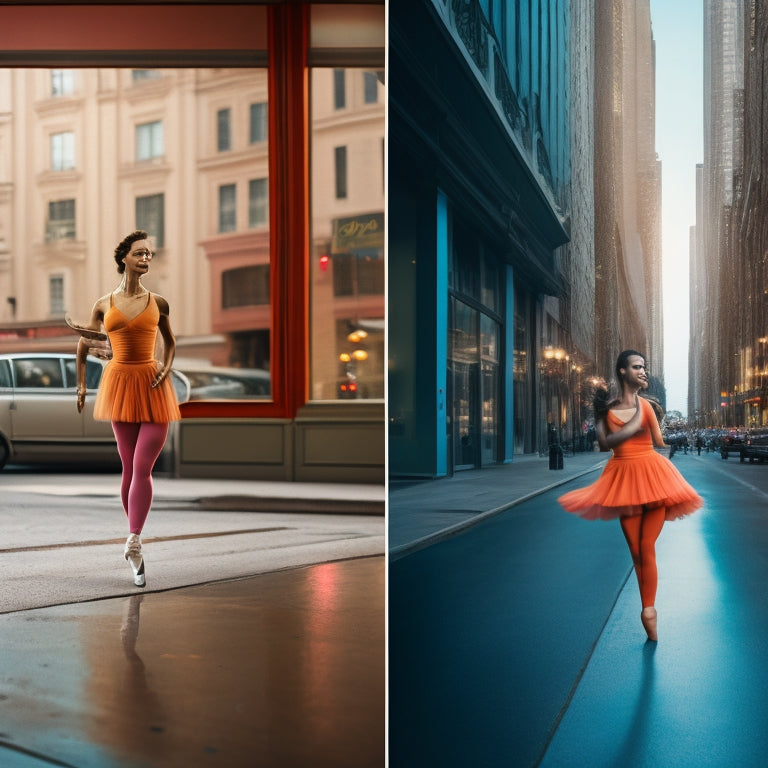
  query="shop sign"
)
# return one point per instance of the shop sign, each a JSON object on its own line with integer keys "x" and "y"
{"x": 355, "y": 232}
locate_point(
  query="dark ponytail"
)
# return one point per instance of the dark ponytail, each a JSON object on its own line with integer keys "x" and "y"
{"x": 601, "y": 402}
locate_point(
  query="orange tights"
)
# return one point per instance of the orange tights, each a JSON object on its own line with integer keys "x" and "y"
{"x": 641, "y": 532}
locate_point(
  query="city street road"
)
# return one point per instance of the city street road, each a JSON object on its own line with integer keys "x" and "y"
{"x": 518, "y": 642}
{"x": 57, "y": 549}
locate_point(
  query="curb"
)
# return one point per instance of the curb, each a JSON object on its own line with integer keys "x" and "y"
{"x": 281, "y": 504}
{"x": 403, "y": 550}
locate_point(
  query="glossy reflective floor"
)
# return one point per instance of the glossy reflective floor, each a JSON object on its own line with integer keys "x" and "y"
{"x": 283, "y": 669}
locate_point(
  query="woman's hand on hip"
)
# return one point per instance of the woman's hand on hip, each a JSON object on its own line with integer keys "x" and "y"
{"x": 159, "y": 378}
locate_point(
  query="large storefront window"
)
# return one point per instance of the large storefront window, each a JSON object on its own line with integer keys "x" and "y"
{"x": 475, "y": 380}
{"x": 466, "y": 385}
{"x": 474, "y": 352}
{"x": 234, "y": 178}
{"x": 524, "y": 419}
{"x": 206, "y": 210}
{"x": 347, "y": 246}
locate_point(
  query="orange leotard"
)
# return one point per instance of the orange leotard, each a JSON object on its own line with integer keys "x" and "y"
{"x": 634, "y": 476}
{"x": 125, "y": 390}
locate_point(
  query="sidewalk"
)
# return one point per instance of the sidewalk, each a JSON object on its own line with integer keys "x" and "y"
{"x": 233, "y": 495}
{"x": 422, "y": 512}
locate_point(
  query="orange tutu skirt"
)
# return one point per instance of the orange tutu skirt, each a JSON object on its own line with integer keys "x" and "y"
{"x": 626, "y": 485}
{"x": 126, "y": 394}
{"x": 634, "y": 476}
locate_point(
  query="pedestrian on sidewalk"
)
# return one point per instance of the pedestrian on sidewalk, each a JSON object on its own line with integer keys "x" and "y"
{"x": 638, "y": 485}
{"x": 134, "y": 393}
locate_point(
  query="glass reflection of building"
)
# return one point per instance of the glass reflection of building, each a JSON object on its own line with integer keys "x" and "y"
{"x": 261, "y": 179}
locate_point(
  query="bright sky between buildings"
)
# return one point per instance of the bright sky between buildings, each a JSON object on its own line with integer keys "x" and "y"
{"x": 678, "y": 32}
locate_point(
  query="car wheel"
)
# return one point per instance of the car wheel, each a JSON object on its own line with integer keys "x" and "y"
{"x": 4, "y": 452}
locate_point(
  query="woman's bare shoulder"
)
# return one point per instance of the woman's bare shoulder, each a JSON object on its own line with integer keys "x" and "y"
{"x": 102, "y": 304}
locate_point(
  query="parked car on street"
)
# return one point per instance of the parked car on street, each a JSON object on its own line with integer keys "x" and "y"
{"x": 214, "y": 383}
{"x": 732, "y": 442}
{"x": 39, "y": 422}
{"x": 755, "y": 446}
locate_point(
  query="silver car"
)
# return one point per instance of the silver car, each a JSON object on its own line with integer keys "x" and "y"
{"x": 39, "y": 421}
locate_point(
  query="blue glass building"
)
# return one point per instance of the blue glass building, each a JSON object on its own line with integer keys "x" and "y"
{"x": 478, "y": 204}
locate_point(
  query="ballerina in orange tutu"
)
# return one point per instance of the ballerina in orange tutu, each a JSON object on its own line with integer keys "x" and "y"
{"x": 135, "y": 393}
{"x": 638, "y": 485}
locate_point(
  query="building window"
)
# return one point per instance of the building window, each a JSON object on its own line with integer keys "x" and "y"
{"x": 245, "y": 286}
{"x": 62, "y": 82}
{"x": 227, "y": 208}
{"x": 360, "y": 273}
{"x": 370, "y": 87}
{"x": 339, "y": 94}
{"x": 56, "y": 295}
{"x": 258, "y": 203}
{"x": 61, "y": 220}
{"x": 223, "y": 137}
{"x": 145, "y": 74}
{"x": 340, "y": 163}
{"x": 149, "y": 140}
{"x": 347, "y": 252}
{"x": 150, "y": 216}
{"x": 258, "y": 128}
{"x": 62, "y": 151}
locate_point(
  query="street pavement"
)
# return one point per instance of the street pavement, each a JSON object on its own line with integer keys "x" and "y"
{"x": 259, "y": 639}
{"x": 515, "y": 635}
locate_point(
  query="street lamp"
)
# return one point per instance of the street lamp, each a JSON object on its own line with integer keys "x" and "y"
{"x": 576, "y": 409}
{"x": 554, "y": 360}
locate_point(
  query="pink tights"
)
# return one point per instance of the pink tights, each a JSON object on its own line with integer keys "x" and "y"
{"x": 139, "y": 445}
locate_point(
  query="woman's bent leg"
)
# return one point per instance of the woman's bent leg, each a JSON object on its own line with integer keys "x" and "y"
{"x": 148, "y": 446}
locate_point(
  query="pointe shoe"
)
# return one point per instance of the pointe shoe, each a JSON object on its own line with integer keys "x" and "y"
{"x": 648, "y": 617}
{"x": 135, "y": 560}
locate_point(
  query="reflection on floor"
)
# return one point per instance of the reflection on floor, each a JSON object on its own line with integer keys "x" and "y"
{"x": 283, "y": 669}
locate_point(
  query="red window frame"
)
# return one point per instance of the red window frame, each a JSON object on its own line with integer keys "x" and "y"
{"x": 205, "y": 34}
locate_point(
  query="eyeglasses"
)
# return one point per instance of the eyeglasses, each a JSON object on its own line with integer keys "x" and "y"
{"x": 141, "y": 254}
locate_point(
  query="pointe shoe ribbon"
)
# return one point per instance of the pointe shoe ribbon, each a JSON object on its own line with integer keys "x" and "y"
{"x": 135, "y": 560}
